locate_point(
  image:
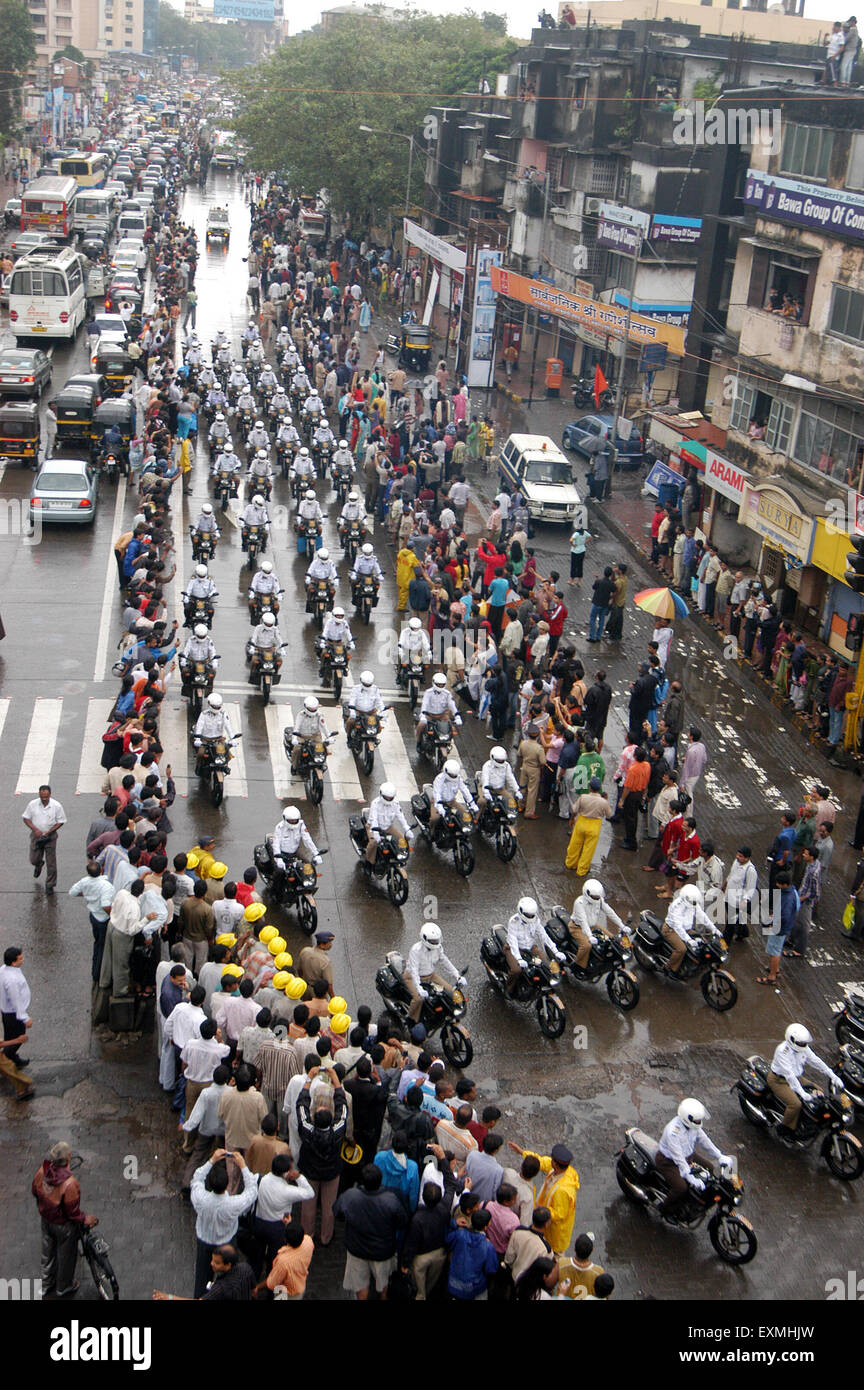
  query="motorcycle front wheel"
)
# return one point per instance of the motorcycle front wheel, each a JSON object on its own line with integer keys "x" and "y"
{"x": 719, "y": 990}
{"x": 463, "y": 858}
{"x": 337, "y": 685}
{"x": 412, "y": 694}
{"x": 367, "y": 758}
{"x": 844, "y": 1156}
{"x": 308, "y": 914}
{"x": 217, "y": 790}
{"x": 551, "y": 1017}
{"x": 505, "y": 843}
{"x": 397, "y": 887}
{"x": 733, "y": 1238}
{"x": 622, "y": 989}
{"x": 456, "y": 1046}
{"x": 314, "y": 786}
{"x": 265, "y": 689}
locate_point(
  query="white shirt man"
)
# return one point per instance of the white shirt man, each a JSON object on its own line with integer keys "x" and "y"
{"x": 227, "y": 915}
{"x": 364, "y": 699}
{"x": 337, "y": 630}
{"x": 309, "y": 726}
{"x": 525, "y": 937}
{"x": 277, "y": 1196}
{"x": 684, "y": 917}
{"x": 200, "y": 588}
{"x": 424, "y": 963}
{"x": 343, "y": 462}
{"x": 310, "y": 510}
{"x": 288, "y": 840}
{"x": 353, "y": 511}
{"x": 789, "y": 1063}
{"x": 44, "y": 816}
{"x": 497, "y": 777}
{"x": 267, "y": 638}
{"x": 303, "y": 466}
{"x": 366, "y": 564}
{"x": 446, "y": 789}
{"x": 212, "y": 723}
{"x": 740, "y": 888}
{"x": 322, "y": 569}
{"x": 263, "y": 583}
{"x": 255, "y": 516}
{"x": 199, "y": 649}
{"x": 678, "y": 1142}
{"x": 206, "y": 525}
{"x": 387, "y": 818}
{"x": 183, "y": 1023}
{"x": 414, "y": 647}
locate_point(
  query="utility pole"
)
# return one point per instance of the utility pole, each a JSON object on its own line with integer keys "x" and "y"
{"x": 619, "y": 393}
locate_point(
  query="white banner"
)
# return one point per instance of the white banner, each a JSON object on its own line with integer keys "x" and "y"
{"x": 481, "y": 347}
{"x": 433, "y": 245}
{"x": 430, "y": 298}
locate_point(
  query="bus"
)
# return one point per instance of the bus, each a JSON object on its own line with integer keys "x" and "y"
{"x": 188, "y": 100}
{"x": 47, "y": 294}
{"x": 88, "y": 169}
{"x": 48, "y": 205}
{"x": 95, "y": 211}
{"x": 170, "y": 118}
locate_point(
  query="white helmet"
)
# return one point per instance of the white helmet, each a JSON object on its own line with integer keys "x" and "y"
{"x": 343, "y": 443}
{"x": 323, "y": 553}
{"x": 207, "y": 508}
{"x": 310, "y": 494}
{"x": 527, "y": 909}
{"x": 219, "y": 415}
{"x": 415, "y": 625}
{"x": 498, "y": 754}
{"x": 310, "y": 704}
{"x": 266, "y": 567}
{"x": 692, "y": 895}
{"x": 214, "y": 701}
{"x": 251, "y": 323}
{"x": 261, "y": 454}
{"x": 430, "y": 933}
{"x": 338, "y": 612}
{"x": 227, "y": 447}
{"x": 304, "y": 452}
{"x": 439, "y": 680}
{"x": 692, "y": 1113}
{"x": 200, "y": 571}
{"x": 269, "y": 620}
{"x": 352, "y": 496}
{"x": 387, "y": 790}
{"x": 798, "y": 1036}
{"x": 451, "y": 769}
{"x": 259, "y": 424}
{"x": 291, "y": 815}
{"x": 200, "y": 629}
{"x": 313, "y": 392}
{"x": 367, "y": 549}
{"x": 594, "y": 888}
{"x": 367, "y": 678}
{"x": 257, "y": 500}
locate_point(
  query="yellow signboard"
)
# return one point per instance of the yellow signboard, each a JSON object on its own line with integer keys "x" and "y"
{"x": 606, "y": 320}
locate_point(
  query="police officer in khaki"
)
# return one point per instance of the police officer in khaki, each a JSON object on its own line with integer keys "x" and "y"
{"x": 314, "y": 963}
{"x": 532, "y": 760}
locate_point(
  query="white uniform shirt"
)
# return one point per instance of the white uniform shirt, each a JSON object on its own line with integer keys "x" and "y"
{"x": 321, "y": 569}
{"x": 213, "y": 723}
{"x": 414, "y": 647}
{"x": 383, "y": 816}
{"x": 588, "y": 913}
{"x": 310, "y": 510}
{"x": 789, "y": 1063}
{"x": 265, "y": 583}
{"x": 353, "y": 511}
{"x": 337, "y": 630}
{"x": 424, "y": 961}
{"x": 678, "y": 1142}
{"x": 308, "y": 726}
{"x": 199, "y": 649}
{"x": 200, "y": 588}
{"x": 497, "y": 776}
{"x": 290, "y": 839}
{"x": 446, "y": 789}
{"x": 521, "y": 936}
{"x": 255, "y": 516}
{"x": 682, "y": 918}
{"x": 266, "y": 638}
{"x": 436, "y": 702}
{"x": 363, "y": 699}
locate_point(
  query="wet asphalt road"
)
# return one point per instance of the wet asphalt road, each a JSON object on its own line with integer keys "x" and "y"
{"x": 62, "y": 620}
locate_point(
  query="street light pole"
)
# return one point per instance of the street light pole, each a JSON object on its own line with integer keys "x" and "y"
{"x": 619, "y": 394}
{"x": 399, "y": 134}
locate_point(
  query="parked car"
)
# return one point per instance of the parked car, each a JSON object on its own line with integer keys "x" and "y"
{"x": 65, "y": 490}
{"x": 579, "y": 434}
{"x": 24, "y": 372}
{"x": 25, "y": 242}
{"x": 535, "y": 464}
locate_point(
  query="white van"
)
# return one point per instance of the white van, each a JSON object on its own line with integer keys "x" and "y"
{"x": 535, "y": 464}
{"x": 47, "y": 294}
{"x": 132, "y": 222}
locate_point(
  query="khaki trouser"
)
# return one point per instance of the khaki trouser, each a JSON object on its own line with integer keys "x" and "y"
{"x": 679, "y": 947}
{"x": 417, "y": 999}
{"x": 516, "y": 970}
{"x": 20, "y": 1079}
{"x": 114, "y": 975}
{"x": 427, "y": 1271}
{"x": 783, "y": 1091}
{"x": 531, "y": 786}
{"x": 578, "y": 934}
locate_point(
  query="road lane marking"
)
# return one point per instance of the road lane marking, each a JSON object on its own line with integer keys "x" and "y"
{"x": 174, "y": 734}
{"x": 277, "y": 718}
{"x": 341, "y": 768}
{"x": 91, "y": 774}
{"x": 235, "y": 784}
{"x": 110, "y": 590}
{"x": 4, "y": 710}
{"x": 40, "y": 745}
{"x": 397, "y": 764}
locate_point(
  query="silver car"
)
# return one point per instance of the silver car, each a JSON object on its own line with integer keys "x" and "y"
{"x": 65, "y": 491}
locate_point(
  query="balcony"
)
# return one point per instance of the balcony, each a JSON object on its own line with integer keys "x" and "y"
{"x": 802, "y": 350}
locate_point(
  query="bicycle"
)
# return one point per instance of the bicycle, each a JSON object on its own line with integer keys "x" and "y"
{"x": 94, "y": 1249}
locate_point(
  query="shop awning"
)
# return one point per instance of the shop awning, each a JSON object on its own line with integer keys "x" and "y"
{"x": 692, "y": 452}
{"x": 791, "y": 248}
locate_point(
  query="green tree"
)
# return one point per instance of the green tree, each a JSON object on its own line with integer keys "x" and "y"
{"x": 18, "y": 49}
{"x": 213, "y": 46}
{"x": 303, "y": 107}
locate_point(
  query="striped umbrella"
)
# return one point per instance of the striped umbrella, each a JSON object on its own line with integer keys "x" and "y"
{"x": 661, "y": 603}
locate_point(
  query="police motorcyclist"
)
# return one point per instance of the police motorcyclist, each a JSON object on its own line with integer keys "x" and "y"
{"x": 257, "y": 438}
{"x": 589, "y": 914}
{"x": 337, "y": 629}
{"x": 227, "y": 462}
{"x": 259, "y": 474}
{"x": 236, "y": 378}
{"x": 303, "y": 467}
{"x": 423, "y": 966}
{"x": 685, "y": 913}
{"x": 322, "y": 435}
{"x": 279, "y": 401}
{"x": 353, "y": 509}
{"x": 290, "y": 837}
{"x": 366, "y": 563}
{"x": 248, "y": 336}
{"x": 205, "y": 524}
{"x": 206, "y": 378}
{"x": 309, "y": 509}
{"x": 790, "y": 1059}
{"x": 365, "y": 698}
{"x": 212, "y": 723}
{"x": 199, "y": 647}
{"x": 527, "y": 935}
{"x": 447, "y": 786}
{"x": 264, "y": 581}
{"x": 497, "y": 775}
{"x": 313, "y": 406}
{"x": 300, "y": 385}
{"x": 255, "y": 514}
{"x": 200, "y": 586}
{"x": 265, "y": 638}
{"x": 677, "y": 1142}
{"x": 385, "y": 817}
{"x": 342, "y": 462}
{"x": 267, "y": 379}
{"x": 322, "y": 567}
{"x": 309, "y": 724}
{"x": 255, "y": 353}
{"x": 219, "y": 431}
{"x": 437, "y": 703}
{"x": 413, "y": 647}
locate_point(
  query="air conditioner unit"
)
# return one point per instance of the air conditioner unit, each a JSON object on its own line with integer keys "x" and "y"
{"x": 592, "y": 206}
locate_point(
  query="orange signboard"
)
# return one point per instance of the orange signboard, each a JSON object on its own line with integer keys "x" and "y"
{"x": 606, "y": 320}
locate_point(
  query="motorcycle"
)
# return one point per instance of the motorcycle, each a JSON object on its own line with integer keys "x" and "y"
{"x": 849, "y": 1023}
{"x": 850, "y": 1068}
{"x": 731, "y": 1235}
{"x": 259, "y": 604}
{"x": 284, "y": 457}
{"x": 203, "y": 544}
{"x": 411, "y": 676}
{"x": 266, "y": 393}
{"x": 264, "y": 486}
{"x": 364, "y": 595}
{"x": 608, "y": 959}
{"x": 300, "y": 485}
{"x": 441, "y": 1012}
{"x": 253, "y": 543}
{"x": 276, "y": 416}
{"x": 197, "y": 610}
{"x": 227, "y": 486}
{"x": 253, "y": 370}
{"x": 719, "y": 989}
{"x": 452, "y": 831}
{"x": 583, "y": 395}
{"x": 364, "y": 738}
{"x": 393, "y": 852}
{"x": 308, "y": 530}
{"x": 821, "y": 1114}
{"x": 110, "y": 468}
{"x": 319, "y": 599}
{"x": 321, "y": 456}
{"x": 212, "y": 765}
{"x": 198, "y": 677}
{"x": 291, "y": 886}
{"x": 436, "y": 741}
{"x": 342, "y": 486}
{"x": 245, "y": 418}
{"x": 215, "y": 444}
{"x": 266, "y": 670}
{"x": 333, "y": 663}
{"x": 351, "y": 537}
{"x": 311, "y": 761}
{"x": 497, "y": 821}
{"x": 537, "y": 983}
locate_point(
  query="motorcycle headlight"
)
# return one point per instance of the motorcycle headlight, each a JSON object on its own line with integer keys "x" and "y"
{"x": 722, "y": 944}
{"x": 458, "y": 997}
{"x": 736, "y": 1201}
{"x": 626, "y": 943}
{"x": 307, "y": 869}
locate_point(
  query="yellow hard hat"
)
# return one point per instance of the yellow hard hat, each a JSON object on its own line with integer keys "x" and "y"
{"x": 281, "y": 979}
{"x": 218, "y": 870}
{"x": 340, "y": 1023}
{"x": 296, "y": 989}
{"x": 236, "y": 970}
{"x": 268, "y": 934}
{"x": 254, "y": 913}
{"x": 351, "y": 1152}
{"x": 284, "y": 960}
{"x": 192, "y": 861}
{"x": 337, "y": 1005}
{"x": 276, "y": 945}
{"x": 226, "y": 938}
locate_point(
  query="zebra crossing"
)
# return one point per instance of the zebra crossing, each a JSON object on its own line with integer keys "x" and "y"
{"x": 53, "y": 723}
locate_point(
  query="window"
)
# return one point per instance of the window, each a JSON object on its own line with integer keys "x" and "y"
{"x": 847, "y": 313}
{"x": 830, "y": 440}
{"x": 807, "y": 150}
{"x": 855, "y": 169}
{"x": 782, "y": 283}
{"x": 773, "y": 415}
{"x": 603, "y": 175}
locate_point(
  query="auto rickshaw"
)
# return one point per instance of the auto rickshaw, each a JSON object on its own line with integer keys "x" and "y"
{"x": 115, "y": 364}
{"x": 113, "y": 411}
{"x": 416, "y": 349}
{"x": 19, "y": 431}
{"x": 74, "y": 406}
